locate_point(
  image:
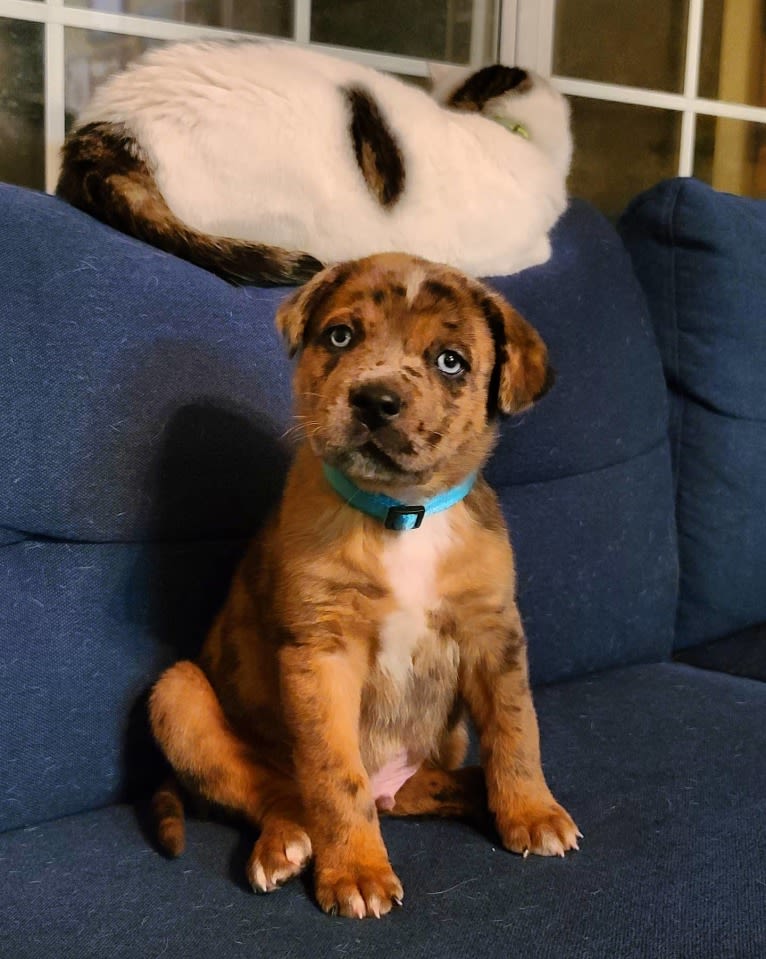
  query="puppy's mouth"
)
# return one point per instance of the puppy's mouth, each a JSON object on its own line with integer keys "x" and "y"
{"x": 381, "y": 455}
{"x": 367, "y": 461}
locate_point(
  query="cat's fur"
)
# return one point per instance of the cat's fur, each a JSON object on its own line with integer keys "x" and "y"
{"x": 263, "y": 161}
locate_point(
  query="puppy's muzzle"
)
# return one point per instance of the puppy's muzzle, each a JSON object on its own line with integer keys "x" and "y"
{"x": 375, "y": 405}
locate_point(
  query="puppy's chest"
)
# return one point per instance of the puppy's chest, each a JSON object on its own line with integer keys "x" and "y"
{"x": 411, "y": 648}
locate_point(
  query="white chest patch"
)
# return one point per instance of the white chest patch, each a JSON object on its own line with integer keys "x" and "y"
{"x": 411, "y": 561}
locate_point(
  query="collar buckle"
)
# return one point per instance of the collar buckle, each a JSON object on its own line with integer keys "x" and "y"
{"x": 397, "y": 517}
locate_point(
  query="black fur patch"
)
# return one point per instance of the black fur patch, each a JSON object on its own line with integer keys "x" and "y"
{"x": 548, "y": 383}
{"x": 104, "y": 174}
{"x": 315, "y": 300}
{"x": 375, "y": 147}
{"x": 496, "y": 326}
{"x": 440, "y": 291}
{"x": 486, "y": 84}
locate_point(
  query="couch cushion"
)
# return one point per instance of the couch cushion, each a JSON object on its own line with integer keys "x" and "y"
{"x": 144, "y": 402}
{"x": 661, "y": 766}
{"x": 701, "y": 257}
{"x": 584, "y": 477}
{"x": 84, "y": 630}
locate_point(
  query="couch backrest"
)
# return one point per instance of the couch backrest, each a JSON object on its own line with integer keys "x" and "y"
{"x": 143, "y": 401}
{"x": 701, "y": 257}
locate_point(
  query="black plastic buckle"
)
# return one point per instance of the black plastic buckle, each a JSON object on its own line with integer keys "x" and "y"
{"x": 399, "y": 512}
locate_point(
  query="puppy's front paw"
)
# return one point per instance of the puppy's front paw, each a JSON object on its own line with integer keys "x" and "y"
{"x": 357, "y": 891}
{"x": 544, "y": 828}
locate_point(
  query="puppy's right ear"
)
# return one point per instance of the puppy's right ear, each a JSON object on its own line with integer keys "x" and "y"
{"x": 296, "y": 312}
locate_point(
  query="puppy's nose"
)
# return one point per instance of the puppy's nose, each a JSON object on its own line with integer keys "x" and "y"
{"x": 375, "y": 404}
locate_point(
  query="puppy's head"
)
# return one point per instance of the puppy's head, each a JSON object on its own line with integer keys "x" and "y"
{"x": 404, "y": 366}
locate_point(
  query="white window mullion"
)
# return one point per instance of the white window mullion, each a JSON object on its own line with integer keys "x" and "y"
{"x": 691, "y": 81}
{"x": 507, "y": 16}
{"x": 535, "y": 25}
{"x": 660, "y": 99}
{"x": 302, "y": 21}
{"x": 479, "y": 24}
{"x": 55, "y": 80}
{"x": 23, "y": 10}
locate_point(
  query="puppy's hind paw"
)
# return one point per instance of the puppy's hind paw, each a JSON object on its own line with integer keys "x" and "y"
{"x": 281, "y": 852}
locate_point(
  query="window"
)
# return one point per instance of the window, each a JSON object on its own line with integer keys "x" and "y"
{"x": 658, "y": 87}
{"x": 54, "y": 52}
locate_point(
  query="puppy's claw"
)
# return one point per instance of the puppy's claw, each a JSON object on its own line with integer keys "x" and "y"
{"x": 358, "y": 894}
{"x": 545, "y": 829}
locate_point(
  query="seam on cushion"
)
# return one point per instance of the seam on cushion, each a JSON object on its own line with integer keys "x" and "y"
{"x": 678, "y": 491}
{"x": 662, "y": 441}
{"x": 689, "y": 396}
{"x": 673, "y": 299}
{"x": 45, "y": 539}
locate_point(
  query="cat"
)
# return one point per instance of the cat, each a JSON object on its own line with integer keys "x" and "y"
{"x": 264, "y": 162}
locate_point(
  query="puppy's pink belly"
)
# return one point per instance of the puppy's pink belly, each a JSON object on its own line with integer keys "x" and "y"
{"x": 389, "y": 779}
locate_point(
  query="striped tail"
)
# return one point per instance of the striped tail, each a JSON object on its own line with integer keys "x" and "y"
{"x": 104, "y": 174}
{"x": 168, "y": 817}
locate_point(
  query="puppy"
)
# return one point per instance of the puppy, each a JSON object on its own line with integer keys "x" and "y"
{"x": 379, "y": 600}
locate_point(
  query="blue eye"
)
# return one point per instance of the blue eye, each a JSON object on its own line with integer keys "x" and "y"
{"x": 451, "y": 363}
{"x": 340, "y": 336}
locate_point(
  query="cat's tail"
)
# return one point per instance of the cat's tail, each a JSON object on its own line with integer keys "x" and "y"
{"x": 104, "y": 174}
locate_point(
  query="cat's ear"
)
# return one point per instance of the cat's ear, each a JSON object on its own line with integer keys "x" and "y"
{"x": 478, "y": 88}
{"x": 522, "y": 373}
{"x": 445, "y": 79}
{"x": 296, "y": 312}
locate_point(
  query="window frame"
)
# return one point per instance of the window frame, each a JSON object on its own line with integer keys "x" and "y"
{"x": 523, "y": 32}
{"x": 56, "y": 17}
{"x": 529, "y": 42}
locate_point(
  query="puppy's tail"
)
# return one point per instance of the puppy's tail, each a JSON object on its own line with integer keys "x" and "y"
{"x": 105, "y": 174}
{"x": 168, "y": 817}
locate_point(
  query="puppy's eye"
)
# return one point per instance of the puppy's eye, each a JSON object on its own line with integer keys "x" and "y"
{"x": 339, "y": 336}
{"x": 451, "y": 363}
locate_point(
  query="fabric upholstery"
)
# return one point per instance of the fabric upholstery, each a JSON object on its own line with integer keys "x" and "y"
{"x": 661, "y": 766}
{"x": 701, "y": 258}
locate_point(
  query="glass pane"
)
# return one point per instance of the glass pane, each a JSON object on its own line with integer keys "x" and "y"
{"x": 731, "y": 155}
{"x": 733, "y": 64}
{"x": 620, "y": 150}
{"x": 22, "y": 137}
{"x": 638, "y": 43}
{"x": 433, "y": 29}
{"x": 273, "y": 17}
{"x": 91, "y": 57}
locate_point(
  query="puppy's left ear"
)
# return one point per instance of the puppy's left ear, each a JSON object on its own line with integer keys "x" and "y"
{"x": 522, "y": 373}
{"x": 296, "y": 312}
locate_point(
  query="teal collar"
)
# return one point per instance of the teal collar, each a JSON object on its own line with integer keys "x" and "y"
{"x": 392, "y": 513}
{"x": 518, "y": 128}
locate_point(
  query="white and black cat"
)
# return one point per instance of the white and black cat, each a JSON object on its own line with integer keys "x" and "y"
{"x": 263, "y": 162}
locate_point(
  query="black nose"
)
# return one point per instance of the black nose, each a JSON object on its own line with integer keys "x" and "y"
{"x": 375, "y": 404}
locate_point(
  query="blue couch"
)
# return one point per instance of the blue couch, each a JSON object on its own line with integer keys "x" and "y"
{"x": 143, "y": 404}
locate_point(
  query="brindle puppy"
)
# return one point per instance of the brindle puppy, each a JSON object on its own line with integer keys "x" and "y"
{"x": 332, "y": 684}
